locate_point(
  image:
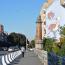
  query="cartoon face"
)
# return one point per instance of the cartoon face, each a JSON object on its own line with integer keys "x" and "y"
{"x": 55, "y": 17}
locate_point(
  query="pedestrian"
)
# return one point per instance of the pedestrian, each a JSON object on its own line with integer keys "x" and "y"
{"x": 23, "y": 51}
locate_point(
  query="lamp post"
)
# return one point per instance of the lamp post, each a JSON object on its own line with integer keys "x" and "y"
{"x": 26, "y": 43}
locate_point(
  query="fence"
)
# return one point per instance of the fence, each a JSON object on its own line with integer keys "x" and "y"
{"x": 49, "y": 58}
{"x": 42, "y": 55}
{"x": 8, "y": 58}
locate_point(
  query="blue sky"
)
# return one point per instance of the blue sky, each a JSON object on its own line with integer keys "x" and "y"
{"x": 20, "y": 16}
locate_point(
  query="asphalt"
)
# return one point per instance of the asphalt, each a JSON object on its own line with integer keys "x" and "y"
{"x": 29, "y": 59}
{"x": 5, "y": 52}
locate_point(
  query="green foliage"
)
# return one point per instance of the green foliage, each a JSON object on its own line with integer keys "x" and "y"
{"x": 62, "y": 41}
{"x": 29, "y": 45}
{"x": 48, "y": 44}
{"x": 17, "y": 39}
{"x": 32, "y": 44}
{"x": 59, "y": 61}
{"x": 13, "y": 38}
{"x": 62, "y": 50}
{"x": 55, "y": 48}
{"x": 62, "y": 30}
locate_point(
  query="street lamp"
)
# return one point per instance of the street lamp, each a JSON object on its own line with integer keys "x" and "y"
{"x": 26, "y": 43}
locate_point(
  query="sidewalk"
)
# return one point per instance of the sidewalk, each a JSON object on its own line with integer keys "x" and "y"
{"x": 29, "y": 59}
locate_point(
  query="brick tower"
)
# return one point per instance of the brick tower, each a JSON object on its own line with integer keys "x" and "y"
{"x": 38, "y": 44}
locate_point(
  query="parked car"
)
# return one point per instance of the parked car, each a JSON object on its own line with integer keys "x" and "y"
{"x": 31, "y": 49}
{"x": 10, "y": 49}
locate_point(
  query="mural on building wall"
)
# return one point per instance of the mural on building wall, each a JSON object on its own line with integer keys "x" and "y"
{"x": 55, "y": 17}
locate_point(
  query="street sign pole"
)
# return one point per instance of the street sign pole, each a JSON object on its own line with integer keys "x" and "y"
{"x": 26, "y": 43}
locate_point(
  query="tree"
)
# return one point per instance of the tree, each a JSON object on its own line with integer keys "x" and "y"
{"x": 62, "y": 30}
{"x": 17, "y": 39}
{"x": 62, "y": 33}
{"x": 21, "y": 39}
{"x": 13, "y": 38}
{"x": 33, "y": 43}
{"x": 48, "y": 44}
{"x": 59, "y": 48}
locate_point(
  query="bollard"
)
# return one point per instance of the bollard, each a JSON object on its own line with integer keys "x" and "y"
{"x": 12, "y": 56}
{"x": 0, "y": 60}
{"x": 3, "y": 61}
{"x": 9, "y": 56}
{"x": 6, "y": 59}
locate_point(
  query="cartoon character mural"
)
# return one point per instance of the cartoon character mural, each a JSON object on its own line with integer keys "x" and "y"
{"x": 55, "y": 17}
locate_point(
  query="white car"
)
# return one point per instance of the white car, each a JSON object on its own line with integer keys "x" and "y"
{"x": 10, "y": 49}
{"x": 31, "y": 49}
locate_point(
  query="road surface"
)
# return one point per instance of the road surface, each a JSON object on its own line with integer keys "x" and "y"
{"x": 29, "y": 59}
{"x": 4, "y": 52}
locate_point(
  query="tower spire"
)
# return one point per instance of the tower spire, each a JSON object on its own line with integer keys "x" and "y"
{"x": 38, "y": 33}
